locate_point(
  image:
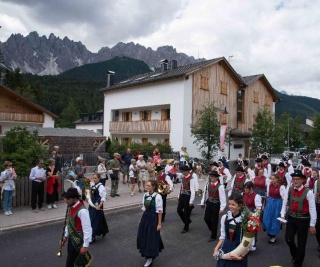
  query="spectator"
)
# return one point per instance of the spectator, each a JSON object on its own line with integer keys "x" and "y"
{"x": 114, "y": 166}
{"x": 102, "y": 170}
{"x": 7, "y": 180}
{"x": 38, "y": 176}
{"x": 126, "y": 161}
{"x": 53, "y": 185}
{"x": 156, "y": 156}
{"x": 142, "y": 166}
{"x": 57, "y": 159}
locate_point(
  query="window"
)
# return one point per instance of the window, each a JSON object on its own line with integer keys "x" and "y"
{"x": 145, "y": 115}
{"x": 116, "y": 115}
{"x": 267, "y": 101}
{"x": 240, "y": 105}
{"x": 255, "y": 97}
{"x": 224, "y": 88}
{"x": 126, "y": 141}
{"x": 165, "y": 114}
{"x": 204, "y": 83}
{"x": 145, "y": 141}
{"x": 126, "y": 116}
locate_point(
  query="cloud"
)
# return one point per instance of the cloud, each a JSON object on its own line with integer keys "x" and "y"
{"x": 279, "y": 38}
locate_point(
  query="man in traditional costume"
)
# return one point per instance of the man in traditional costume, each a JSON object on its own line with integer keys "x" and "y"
{"x": 302, "y": 217}
{"x": 214, "y": 199}
{"x": 78, "y": 231}
{"x": 224, "y": 172}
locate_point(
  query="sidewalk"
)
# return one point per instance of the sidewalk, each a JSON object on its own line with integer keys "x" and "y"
{"x": 24, "y": 217}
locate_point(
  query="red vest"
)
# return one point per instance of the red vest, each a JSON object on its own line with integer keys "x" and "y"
{"x": 282, "y": 177}
{"x": 259, "y": 182}
{"x": 239, "y": 183}
{"x": 186, "y": 182}
{"x": 161, "y": 178}
{"x": 274, "y": 191}
{"x": 311, "y": 183}
{"x": 213, "y": 190}
{"x": 221, "y": 170}
{"x": 74, "y": 213}
{"x": 249, "y": 200}
{"x": 298, "y": 200}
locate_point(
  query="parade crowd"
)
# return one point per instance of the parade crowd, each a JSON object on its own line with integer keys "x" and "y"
{"x": 289, "y": 196}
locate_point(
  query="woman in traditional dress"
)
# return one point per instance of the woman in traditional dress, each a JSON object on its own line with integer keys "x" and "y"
{"x": 149, "y": 240}
{"x": 253, "y": 202}
{"x": 275, "y": 195}
{"x": 53, "y": 185}
{"x": 312, "y": 179}
{"x": 260, "y": 184}
{"x": 231, "y": 234}
{"x": 97, "y": 218}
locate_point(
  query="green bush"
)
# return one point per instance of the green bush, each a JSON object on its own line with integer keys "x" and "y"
{"x": 21, "y": 148}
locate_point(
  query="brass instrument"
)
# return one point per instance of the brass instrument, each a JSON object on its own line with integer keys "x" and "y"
{"x": 163, "y": 188}
{"x": 59, "y": 254}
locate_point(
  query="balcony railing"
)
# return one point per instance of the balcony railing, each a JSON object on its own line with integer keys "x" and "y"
{"x": 23, "y": 117}
{"x": 153, "y": 126}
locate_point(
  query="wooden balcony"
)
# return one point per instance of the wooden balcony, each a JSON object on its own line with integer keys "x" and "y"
{"x": 153, "y": 126}
{"x": 22, "y": 117}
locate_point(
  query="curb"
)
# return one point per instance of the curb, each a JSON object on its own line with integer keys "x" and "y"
{"x": 50, "y": 221}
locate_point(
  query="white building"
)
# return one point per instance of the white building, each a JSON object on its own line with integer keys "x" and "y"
{"x": 91, "y": 121}
{"x": 161, "y": 106}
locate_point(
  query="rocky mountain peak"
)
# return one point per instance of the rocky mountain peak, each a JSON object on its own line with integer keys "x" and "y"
{"x": 53, "y": 55}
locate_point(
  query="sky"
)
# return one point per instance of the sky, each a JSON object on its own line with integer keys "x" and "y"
{"x": 279, "y": 38}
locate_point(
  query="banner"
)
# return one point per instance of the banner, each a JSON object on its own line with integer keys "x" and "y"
{"x": 223, "y": 130}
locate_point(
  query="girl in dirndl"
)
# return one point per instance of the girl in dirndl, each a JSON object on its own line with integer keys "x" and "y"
{"x": 275, "y": 195}
{"x": 231, "y": 234}
{"x": 149, "y": 241}
{"x": 98, "y": 197}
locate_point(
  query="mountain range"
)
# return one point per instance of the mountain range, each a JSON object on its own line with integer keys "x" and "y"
{"x": 51, "y": 56}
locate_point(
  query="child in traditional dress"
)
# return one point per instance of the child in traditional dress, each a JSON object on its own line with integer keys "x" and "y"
{"x": 97, "y": 218}
{"x": 231, "y": 234}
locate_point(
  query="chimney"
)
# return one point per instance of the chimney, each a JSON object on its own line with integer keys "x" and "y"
{"x": 164, "y": 64}
{"x": 173, "y": 64}
{"x": 110, "y": 78}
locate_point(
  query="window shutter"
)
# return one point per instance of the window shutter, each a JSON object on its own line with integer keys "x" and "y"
{"x": 130, "y": 116}
{"x": 123, "y": 114}
{"x": 163, "y": 114}
{"x": 149, "y": 115}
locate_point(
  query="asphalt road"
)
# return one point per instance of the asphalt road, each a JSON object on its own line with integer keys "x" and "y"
{"x": 38, "y": 246}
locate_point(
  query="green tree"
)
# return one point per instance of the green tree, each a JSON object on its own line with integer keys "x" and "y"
{"x": 262, "y": 136}
{"x": 206, "y": 131}
{"x": 69, "y": 114}
{"x": 315, "y": 133}
{"x": 21, "y": 147}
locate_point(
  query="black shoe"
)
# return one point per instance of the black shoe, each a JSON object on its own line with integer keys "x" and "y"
{"x": 184, "y": 231}
{"x": 93, "y": 240}
{"x": 111, "y": 195}
{"x": 117, "y": 195}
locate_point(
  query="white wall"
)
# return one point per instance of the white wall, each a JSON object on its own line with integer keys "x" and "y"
{"x": 48, "y": 121}
{"x": 95, "y": 127}
{"x": 165, "y": 93}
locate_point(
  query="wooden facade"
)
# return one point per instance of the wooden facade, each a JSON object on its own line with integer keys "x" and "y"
{"x": 217, "y": 84}
{"x": 21, "y": 117}
{"x": 152, "y": 126}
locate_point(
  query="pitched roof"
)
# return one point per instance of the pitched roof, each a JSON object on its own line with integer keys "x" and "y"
{"x": 64, "y": 132}
{"x": 252, "y": 78}
{"x": 175, "y": 73}
{"x": 29, "y": 102}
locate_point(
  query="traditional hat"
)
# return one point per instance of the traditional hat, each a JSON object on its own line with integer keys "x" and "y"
{"x": 258, "y": 160}
{"x": 245, "y": 162}
{"x": 298, "y": 173}
{"x": 78, "y": 159}
{"x": 214, "y": 164}
{"x": 159, "y": 168}
{"x": 214, "y": 173}
{"x": 281, "y": 164}
{"x": 264, "y": 156}
{"x": 239, "y": 169}
{"x": 185, "y": 168}
{"x": 220, "y": 160}
{"x": 307, "y": 164}
{"x": 71, "y": 193}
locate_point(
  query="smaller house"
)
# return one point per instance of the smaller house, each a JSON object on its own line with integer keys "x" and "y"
{"x": 16, "y": 110}
{"x": 70, "y": 140}
{"x": 91, "y": 121}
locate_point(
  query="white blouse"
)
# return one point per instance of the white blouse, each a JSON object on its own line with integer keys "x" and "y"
{"x": 159, "y": 203}
{"x": 223, "y": 220}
